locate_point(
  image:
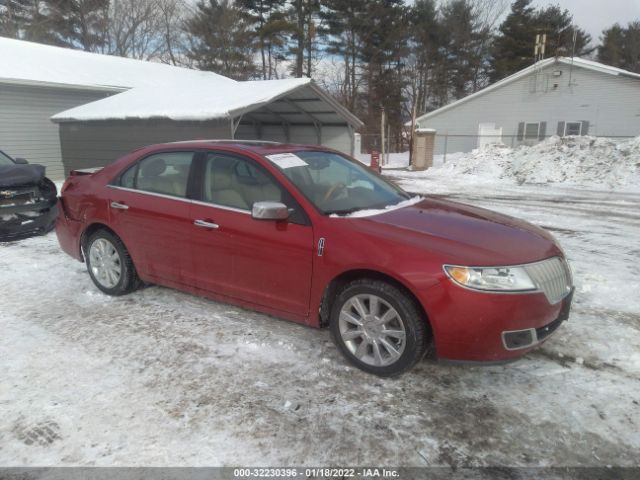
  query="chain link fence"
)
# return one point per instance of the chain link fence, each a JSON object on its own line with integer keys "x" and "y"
{"x": 397, "y": 151}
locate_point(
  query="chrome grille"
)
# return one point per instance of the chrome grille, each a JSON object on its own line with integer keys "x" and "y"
{"x": 552, "y": 276}
{"x": 12, "y": 196}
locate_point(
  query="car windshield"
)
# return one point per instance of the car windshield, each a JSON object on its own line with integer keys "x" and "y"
{"x": 335, "y": 184}
{"x": 5, "y": 159}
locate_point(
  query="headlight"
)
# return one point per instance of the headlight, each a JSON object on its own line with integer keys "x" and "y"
{"x": 502, "y": 279}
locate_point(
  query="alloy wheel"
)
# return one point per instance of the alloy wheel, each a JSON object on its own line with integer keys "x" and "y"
{"x": 372, "y": 330}
{"x": 105, "y": 262}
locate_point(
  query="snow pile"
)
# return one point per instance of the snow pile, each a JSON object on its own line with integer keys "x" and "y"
{"x": 571, "y": 160}
{"x": 371, "y": 212}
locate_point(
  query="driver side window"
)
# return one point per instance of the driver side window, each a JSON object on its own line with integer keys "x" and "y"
{"x": 233, "y": 182}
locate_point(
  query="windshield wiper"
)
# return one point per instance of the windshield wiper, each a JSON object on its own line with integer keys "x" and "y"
{"x": 356, "y": 209}
{"x": 343, "y": 212}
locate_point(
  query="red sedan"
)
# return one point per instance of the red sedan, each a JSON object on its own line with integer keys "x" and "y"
{"x": 310, "y": 235}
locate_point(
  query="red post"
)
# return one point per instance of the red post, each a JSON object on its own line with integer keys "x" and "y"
{"x": 375, "y": 161}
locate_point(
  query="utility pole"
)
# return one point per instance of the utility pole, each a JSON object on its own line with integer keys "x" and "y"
{"x": 382, "y": 122}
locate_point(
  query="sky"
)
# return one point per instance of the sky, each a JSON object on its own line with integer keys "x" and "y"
{"x": 596, "y": 15}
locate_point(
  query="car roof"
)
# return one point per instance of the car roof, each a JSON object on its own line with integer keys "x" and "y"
{"x": 260, "y": 147}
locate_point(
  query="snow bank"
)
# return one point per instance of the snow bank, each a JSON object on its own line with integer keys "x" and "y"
{"x": 583, "y": 160}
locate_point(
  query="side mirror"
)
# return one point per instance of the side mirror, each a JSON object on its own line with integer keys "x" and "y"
{"x": 21, "y": 161}
{"x": 269, "y": 211}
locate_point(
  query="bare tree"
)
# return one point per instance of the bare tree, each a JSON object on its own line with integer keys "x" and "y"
{"x": 147, "y": 29}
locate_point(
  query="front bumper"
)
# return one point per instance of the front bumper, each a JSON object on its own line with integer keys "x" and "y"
{"x": 470, "y": 326}
{"x": 26, "y": 221}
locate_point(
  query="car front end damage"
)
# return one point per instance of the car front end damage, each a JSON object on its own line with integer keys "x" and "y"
{"x": 27, "y": 209}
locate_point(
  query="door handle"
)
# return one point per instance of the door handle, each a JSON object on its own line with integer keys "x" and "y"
{"x": 204, "y": 224}
{"x": 119, "y": 206}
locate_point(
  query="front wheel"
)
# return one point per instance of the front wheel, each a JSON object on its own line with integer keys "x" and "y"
{"x": 378, "y": 327}
{"x": 110, "y": 265}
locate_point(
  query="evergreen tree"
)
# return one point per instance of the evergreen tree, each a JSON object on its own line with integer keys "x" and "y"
{"x": 514, "y": 45}
{"x": 269, "y": 27}
{"x": 304, "y": 38}
{"x": 78, "y": 23}
{"x": 343, "y": 22}
{"x": 425, "y": 40}
{"x": 13, "y": 17}
{"x": 462, "y": 47}
{"x": 621, "y": 47}
{"x": 25, "y": 19}
{"x": 383, "y": 54}
{"x": 221, "y": 40}
{"x": 560, "y": 30}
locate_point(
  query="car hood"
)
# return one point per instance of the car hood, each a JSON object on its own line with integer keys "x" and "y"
{"x": 18, "y": 175}
{"x": 463, "y": 234}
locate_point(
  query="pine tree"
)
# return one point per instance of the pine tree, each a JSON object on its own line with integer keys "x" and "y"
{"x": 304, "y": 35}
{"x": 78, "y": 23}
{"x": 425, "y": 50}
{"x": 269, "y": 26}
{"x": 221, "y": 40}
{"x": 13, "y": 17}
{"x": 513, "y": 46}
{"x": 343, "y": 23}
{"x": 621, "y": 47}
{"x": 463, "y": 47}
{"x": 384, "y": 50}
{"x": 25, "y": 19}
{"x": 560, "y": 30}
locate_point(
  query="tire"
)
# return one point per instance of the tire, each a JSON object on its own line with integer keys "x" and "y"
{"x": 118, "y": 257}
{"x": 367, "y": 346}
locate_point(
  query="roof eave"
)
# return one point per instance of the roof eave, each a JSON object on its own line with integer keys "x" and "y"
{"x": 62, "y": 86}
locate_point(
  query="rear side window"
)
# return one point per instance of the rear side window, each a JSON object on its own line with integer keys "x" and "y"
{"x": 165, "y": 173}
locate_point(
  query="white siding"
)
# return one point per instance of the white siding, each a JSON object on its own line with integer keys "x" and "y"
{"x": 25, "y": 128}
{"x": 611, "y": 105}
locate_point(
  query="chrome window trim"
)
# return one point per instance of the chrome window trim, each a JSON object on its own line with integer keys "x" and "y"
{"x": 221, "y": 207}
{"x": 153, "y": 194}
{"x": 181, "y": 199}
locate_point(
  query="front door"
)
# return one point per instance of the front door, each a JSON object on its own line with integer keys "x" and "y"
{"x": 150, "y": 212}
{"x": 266, "y": 263}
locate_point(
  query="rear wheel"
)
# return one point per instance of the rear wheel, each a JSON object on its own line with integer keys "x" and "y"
{"x": 110, "y": 265}
{"x": 378, "y": 327}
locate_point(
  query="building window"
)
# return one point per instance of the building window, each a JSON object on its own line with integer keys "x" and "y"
{"x": 573, "y": 128}
{"x": 531, "y": 130}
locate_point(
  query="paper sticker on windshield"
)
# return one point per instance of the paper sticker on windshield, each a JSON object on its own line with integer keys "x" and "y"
{"x": 287, "y": 160}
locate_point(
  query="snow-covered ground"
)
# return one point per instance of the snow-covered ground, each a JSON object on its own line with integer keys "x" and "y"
{"x": 164, "y": 378}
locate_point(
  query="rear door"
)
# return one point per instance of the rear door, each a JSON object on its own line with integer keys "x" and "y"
{"x": 149, "y": 209}
{"x": 266, "y": 263}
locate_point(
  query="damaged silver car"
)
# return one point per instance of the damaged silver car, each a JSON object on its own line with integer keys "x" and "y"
{"x": 27, "y": 199}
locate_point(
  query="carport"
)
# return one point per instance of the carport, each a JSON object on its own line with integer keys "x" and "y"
{"x": 291, "y": 110}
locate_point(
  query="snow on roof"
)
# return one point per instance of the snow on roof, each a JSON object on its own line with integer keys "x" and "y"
{"x": 149, "y": 89}
{"x": 200, "y": 100}
{"x": 34, "y": 63}
{"x": 575, "y": 61}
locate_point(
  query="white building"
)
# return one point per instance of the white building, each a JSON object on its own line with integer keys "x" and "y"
{"x": 104, "y": 106}
{"x": 556, "y": 96}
